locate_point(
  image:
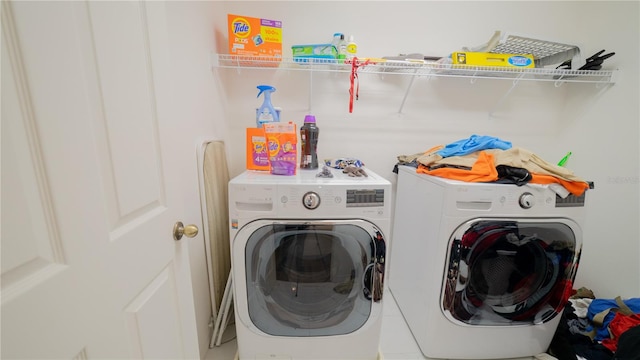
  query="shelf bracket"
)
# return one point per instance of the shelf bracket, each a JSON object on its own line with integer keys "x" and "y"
{"x": 474, "y": 77}
{"x": 406, "y": 93}
{"x": 502, "y": 99}
{"x": 604, "y": 83}
{"x": 559, "y": 81}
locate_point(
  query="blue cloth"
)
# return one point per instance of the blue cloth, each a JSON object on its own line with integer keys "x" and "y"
{"x": 599, "y": 305}
{"x": 472, "y": 144}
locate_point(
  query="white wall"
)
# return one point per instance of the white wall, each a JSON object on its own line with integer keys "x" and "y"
{"x": 600, "y": 126}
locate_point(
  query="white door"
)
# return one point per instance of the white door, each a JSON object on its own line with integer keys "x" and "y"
{"x": 89, "y": 199}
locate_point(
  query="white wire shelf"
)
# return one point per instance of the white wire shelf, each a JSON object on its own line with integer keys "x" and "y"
{"x": 417, "y": 68}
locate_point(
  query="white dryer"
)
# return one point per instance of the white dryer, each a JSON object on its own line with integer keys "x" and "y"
{"x": 482, "y": 270}
{"x": 308, "y": 260}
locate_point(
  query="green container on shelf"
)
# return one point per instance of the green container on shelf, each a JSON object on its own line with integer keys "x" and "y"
{"x": 303, "y": 53}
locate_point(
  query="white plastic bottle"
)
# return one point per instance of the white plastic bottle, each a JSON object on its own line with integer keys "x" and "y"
{"x": 352, "y": 48}
{"x": 336, "y": 37}
{"x": 336, "y": 40}
{"x": 342, "y": 48}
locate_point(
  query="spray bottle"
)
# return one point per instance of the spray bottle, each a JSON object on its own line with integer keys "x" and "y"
{"x": 266, "y": 112}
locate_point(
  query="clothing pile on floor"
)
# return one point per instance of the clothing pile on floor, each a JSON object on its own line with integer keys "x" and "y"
{"x": 598, "y": 329}
{"x": 490, "y": 159}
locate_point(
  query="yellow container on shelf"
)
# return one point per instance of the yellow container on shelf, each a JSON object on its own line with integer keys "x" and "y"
{"x": 491, "y": 59}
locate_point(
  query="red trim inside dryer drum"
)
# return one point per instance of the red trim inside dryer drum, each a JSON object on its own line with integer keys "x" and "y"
{"x": 509, "y": 272}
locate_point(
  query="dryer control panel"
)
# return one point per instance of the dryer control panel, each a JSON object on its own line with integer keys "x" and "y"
{"x": 458, "y": 198}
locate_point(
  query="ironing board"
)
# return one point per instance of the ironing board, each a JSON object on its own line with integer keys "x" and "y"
{"x": 214, "y": 182}
{"x": 222, "y": 320}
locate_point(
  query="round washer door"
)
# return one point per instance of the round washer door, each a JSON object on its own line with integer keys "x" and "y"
{"x": 311, "y": 278}
{"x": 510, "y": 272}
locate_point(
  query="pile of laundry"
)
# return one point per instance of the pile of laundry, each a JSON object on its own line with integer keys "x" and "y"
{"x": 490, "y": 159}
{"x": 597, "y": 329}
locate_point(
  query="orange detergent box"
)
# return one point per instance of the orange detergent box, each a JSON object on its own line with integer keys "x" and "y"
{"x": 257, "y": 155}
{"x": 255, "y": 37}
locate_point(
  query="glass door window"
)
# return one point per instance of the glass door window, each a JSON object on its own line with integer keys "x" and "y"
{"x": 313, "y": 278}
{"x": 509, "y": 272}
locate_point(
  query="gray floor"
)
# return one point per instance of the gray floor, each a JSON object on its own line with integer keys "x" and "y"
{"x": 228, "y": 347}
{"x": 397, "y": 343}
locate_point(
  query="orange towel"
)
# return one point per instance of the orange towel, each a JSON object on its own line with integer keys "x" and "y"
{"x": 483, "y": 170}
{"x": 575, "y": 187}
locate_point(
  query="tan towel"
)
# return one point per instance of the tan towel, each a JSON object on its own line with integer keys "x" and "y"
{"x": 515, "y": 157}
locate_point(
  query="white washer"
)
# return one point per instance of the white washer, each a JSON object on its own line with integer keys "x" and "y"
{"x": 481, "y": 270}
{"x": 308, "y": 259}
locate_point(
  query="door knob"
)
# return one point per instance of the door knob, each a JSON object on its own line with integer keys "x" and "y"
{"x": 179, "y": 229}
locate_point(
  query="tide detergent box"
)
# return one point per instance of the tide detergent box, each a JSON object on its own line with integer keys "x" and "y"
{"x": 255, "y": 37}
{"x": 257, "y": 154}
{"x": 491, "y": 59}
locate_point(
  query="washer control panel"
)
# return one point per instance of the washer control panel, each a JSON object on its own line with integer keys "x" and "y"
{"x": 331, "y": 201}
{"x": 350, "y": 198}
{"x": 256, "y": 195}
{"x": 365, "y": 197}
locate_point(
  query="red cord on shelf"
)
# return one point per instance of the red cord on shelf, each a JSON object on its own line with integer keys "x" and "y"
{"x": 355, "y": 64}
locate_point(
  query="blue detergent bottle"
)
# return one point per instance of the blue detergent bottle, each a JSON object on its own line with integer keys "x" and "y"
{"x": 266, "y": 113}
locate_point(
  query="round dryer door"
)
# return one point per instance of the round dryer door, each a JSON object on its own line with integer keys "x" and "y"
{"x": 506, "y": 272}
{"x": 313, "y": 278}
